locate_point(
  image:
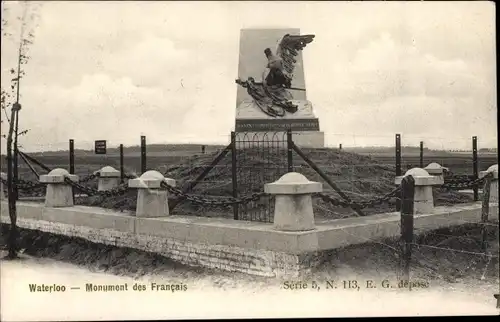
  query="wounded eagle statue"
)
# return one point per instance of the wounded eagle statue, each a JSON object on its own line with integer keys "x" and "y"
{"x": 272, "y": 95}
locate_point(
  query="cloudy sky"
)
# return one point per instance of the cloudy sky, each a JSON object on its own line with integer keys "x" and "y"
{"x": 118, "y": 70}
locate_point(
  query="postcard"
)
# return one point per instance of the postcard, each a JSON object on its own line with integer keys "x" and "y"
{"x": 248, "y": 159}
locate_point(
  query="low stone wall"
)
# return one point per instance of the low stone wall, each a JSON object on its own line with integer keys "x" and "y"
{"x": 249, "y": 247}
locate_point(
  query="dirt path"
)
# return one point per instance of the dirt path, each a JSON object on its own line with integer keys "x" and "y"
{"x": 219, "y": 295}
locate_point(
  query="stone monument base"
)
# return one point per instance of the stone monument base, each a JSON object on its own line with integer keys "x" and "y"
{"x": 253, "y": 125}
{"x": 303, "y": 139}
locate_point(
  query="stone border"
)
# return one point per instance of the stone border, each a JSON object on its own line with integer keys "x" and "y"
{"x": 249, "y": 247}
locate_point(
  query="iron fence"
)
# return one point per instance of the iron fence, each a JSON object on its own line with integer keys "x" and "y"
{"x": 260, "y": 158}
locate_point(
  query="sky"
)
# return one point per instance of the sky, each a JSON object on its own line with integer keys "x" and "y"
{"x": 119, "y": 70}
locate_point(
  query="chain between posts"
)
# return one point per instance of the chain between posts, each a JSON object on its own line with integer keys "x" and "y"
{"x": 226, "y": 201}
{"x": 89, "y": 177}
{"x": 220, "y": 201}
{"x": 118, "y": 191}
{"x": 459, "y": 184}
{"x": 359, "y": 204}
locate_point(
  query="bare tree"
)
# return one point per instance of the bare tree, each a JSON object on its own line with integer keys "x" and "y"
{"x": 11, "y": 101}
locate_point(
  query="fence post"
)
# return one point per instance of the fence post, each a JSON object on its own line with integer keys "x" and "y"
{"x": 340, "y": 146}
{"x": 72, "y": 156}
{"x": 122, "y": 170}
{"x": 72, "y": 164}
{"x": 398, "y": 165}
{"x": 203, "y": 149}
{"x": 475, "y": 166}
{"x": 289, "y": 150}
{"x": 421, "y": 154}
{"x": 143, "y": 154}
{"x": 485, "y": 211}
{"x": 15, "y": 170}
{"x": 407, "y": 203}
{"x": 233, "y": 174}
{"x": 398, "y": 154}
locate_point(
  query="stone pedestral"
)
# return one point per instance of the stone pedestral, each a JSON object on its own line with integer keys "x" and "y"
{"x": 59, "y": 193}
{"x": 293, "y": 206}
{"x": 435, "y": 169}
{"x": 109, "y": 178}
{"x": 254, "y": 126}
{"x": 3, "y": 176}
{"x": 423, "y": 198}
{"x": 494, "y": 182}
{"x": 151, "y": 200}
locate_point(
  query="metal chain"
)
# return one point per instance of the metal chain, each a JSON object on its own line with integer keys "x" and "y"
{"x": 89, "y": 177}
{"x": 25, "y": 185}
{"x": 220, "y": 201}
{"x": 359, "y": 204}
{"x": 225, "y": 201}
{"x": 459, "y": 185}
{"x": 120, "y": 190}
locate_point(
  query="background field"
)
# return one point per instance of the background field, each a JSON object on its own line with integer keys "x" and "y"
{"x": 163, "y": 157}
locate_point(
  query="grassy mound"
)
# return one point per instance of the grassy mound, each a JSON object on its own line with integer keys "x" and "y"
{"x": 360, "y": 177}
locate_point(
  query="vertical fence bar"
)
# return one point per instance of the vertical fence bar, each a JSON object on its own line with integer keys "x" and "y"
{"x": 233, "y": 174}
{"x": 398, "y": 154}
{"x": 143, "y": 154}
{"x": 72, "y": 162}
{"x": 203, "y": 149}
{"x": 421, "y": 154}
{"x": 475, "y": 166}
{"x": 407, "y": 204}
{"x": 398, "y": 165}
{"x": 72, "y": 156}
{"x": 340, "y": 146}
{"x": 485, "y": 211}
{"x": 289, "y": 150}
{"x": 122, "y": 169}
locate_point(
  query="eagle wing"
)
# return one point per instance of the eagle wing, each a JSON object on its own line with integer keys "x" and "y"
{"x": 288, "y": 48}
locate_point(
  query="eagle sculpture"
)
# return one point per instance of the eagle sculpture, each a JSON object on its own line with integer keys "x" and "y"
{"x": 272, "y": 95}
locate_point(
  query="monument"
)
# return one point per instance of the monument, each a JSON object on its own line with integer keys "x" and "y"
{"x": 271, "y": 95}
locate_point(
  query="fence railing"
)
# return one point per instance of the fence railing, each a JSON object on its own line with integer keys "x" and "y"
{"x": 408, "y": 233}
{"x": 274, "y": 156}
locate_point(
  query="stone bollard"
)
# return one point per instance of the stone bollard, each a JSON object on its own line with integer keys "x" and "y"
{"x": 435, "y": 169}
{"x": 3, "y": 175}
{"x": 293, "y": 206}
{"x": 423, "y": 198}
{"x": 151, "y": 201}
{"x": 494, "y": 182}
{"x": 109, "y": 178}
{"x": 59, "y": 193}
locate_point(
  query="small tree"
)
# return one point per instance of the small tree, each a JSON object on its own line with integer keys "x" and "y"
{"x": 10, "y": 100}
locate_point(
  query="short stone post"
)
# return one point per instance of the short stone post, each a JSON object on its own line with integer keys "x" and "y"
{"x": 151, "y": 201}
{"x": 435, "y": 169}
{"x": 494, "y": 182}
{"x": 423, "y": 198}
{"x": 3, "y": 175}
{"x": 293, "y": 206}
{"x": 59, "y": 193}
{"x": 109, "y": 178}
